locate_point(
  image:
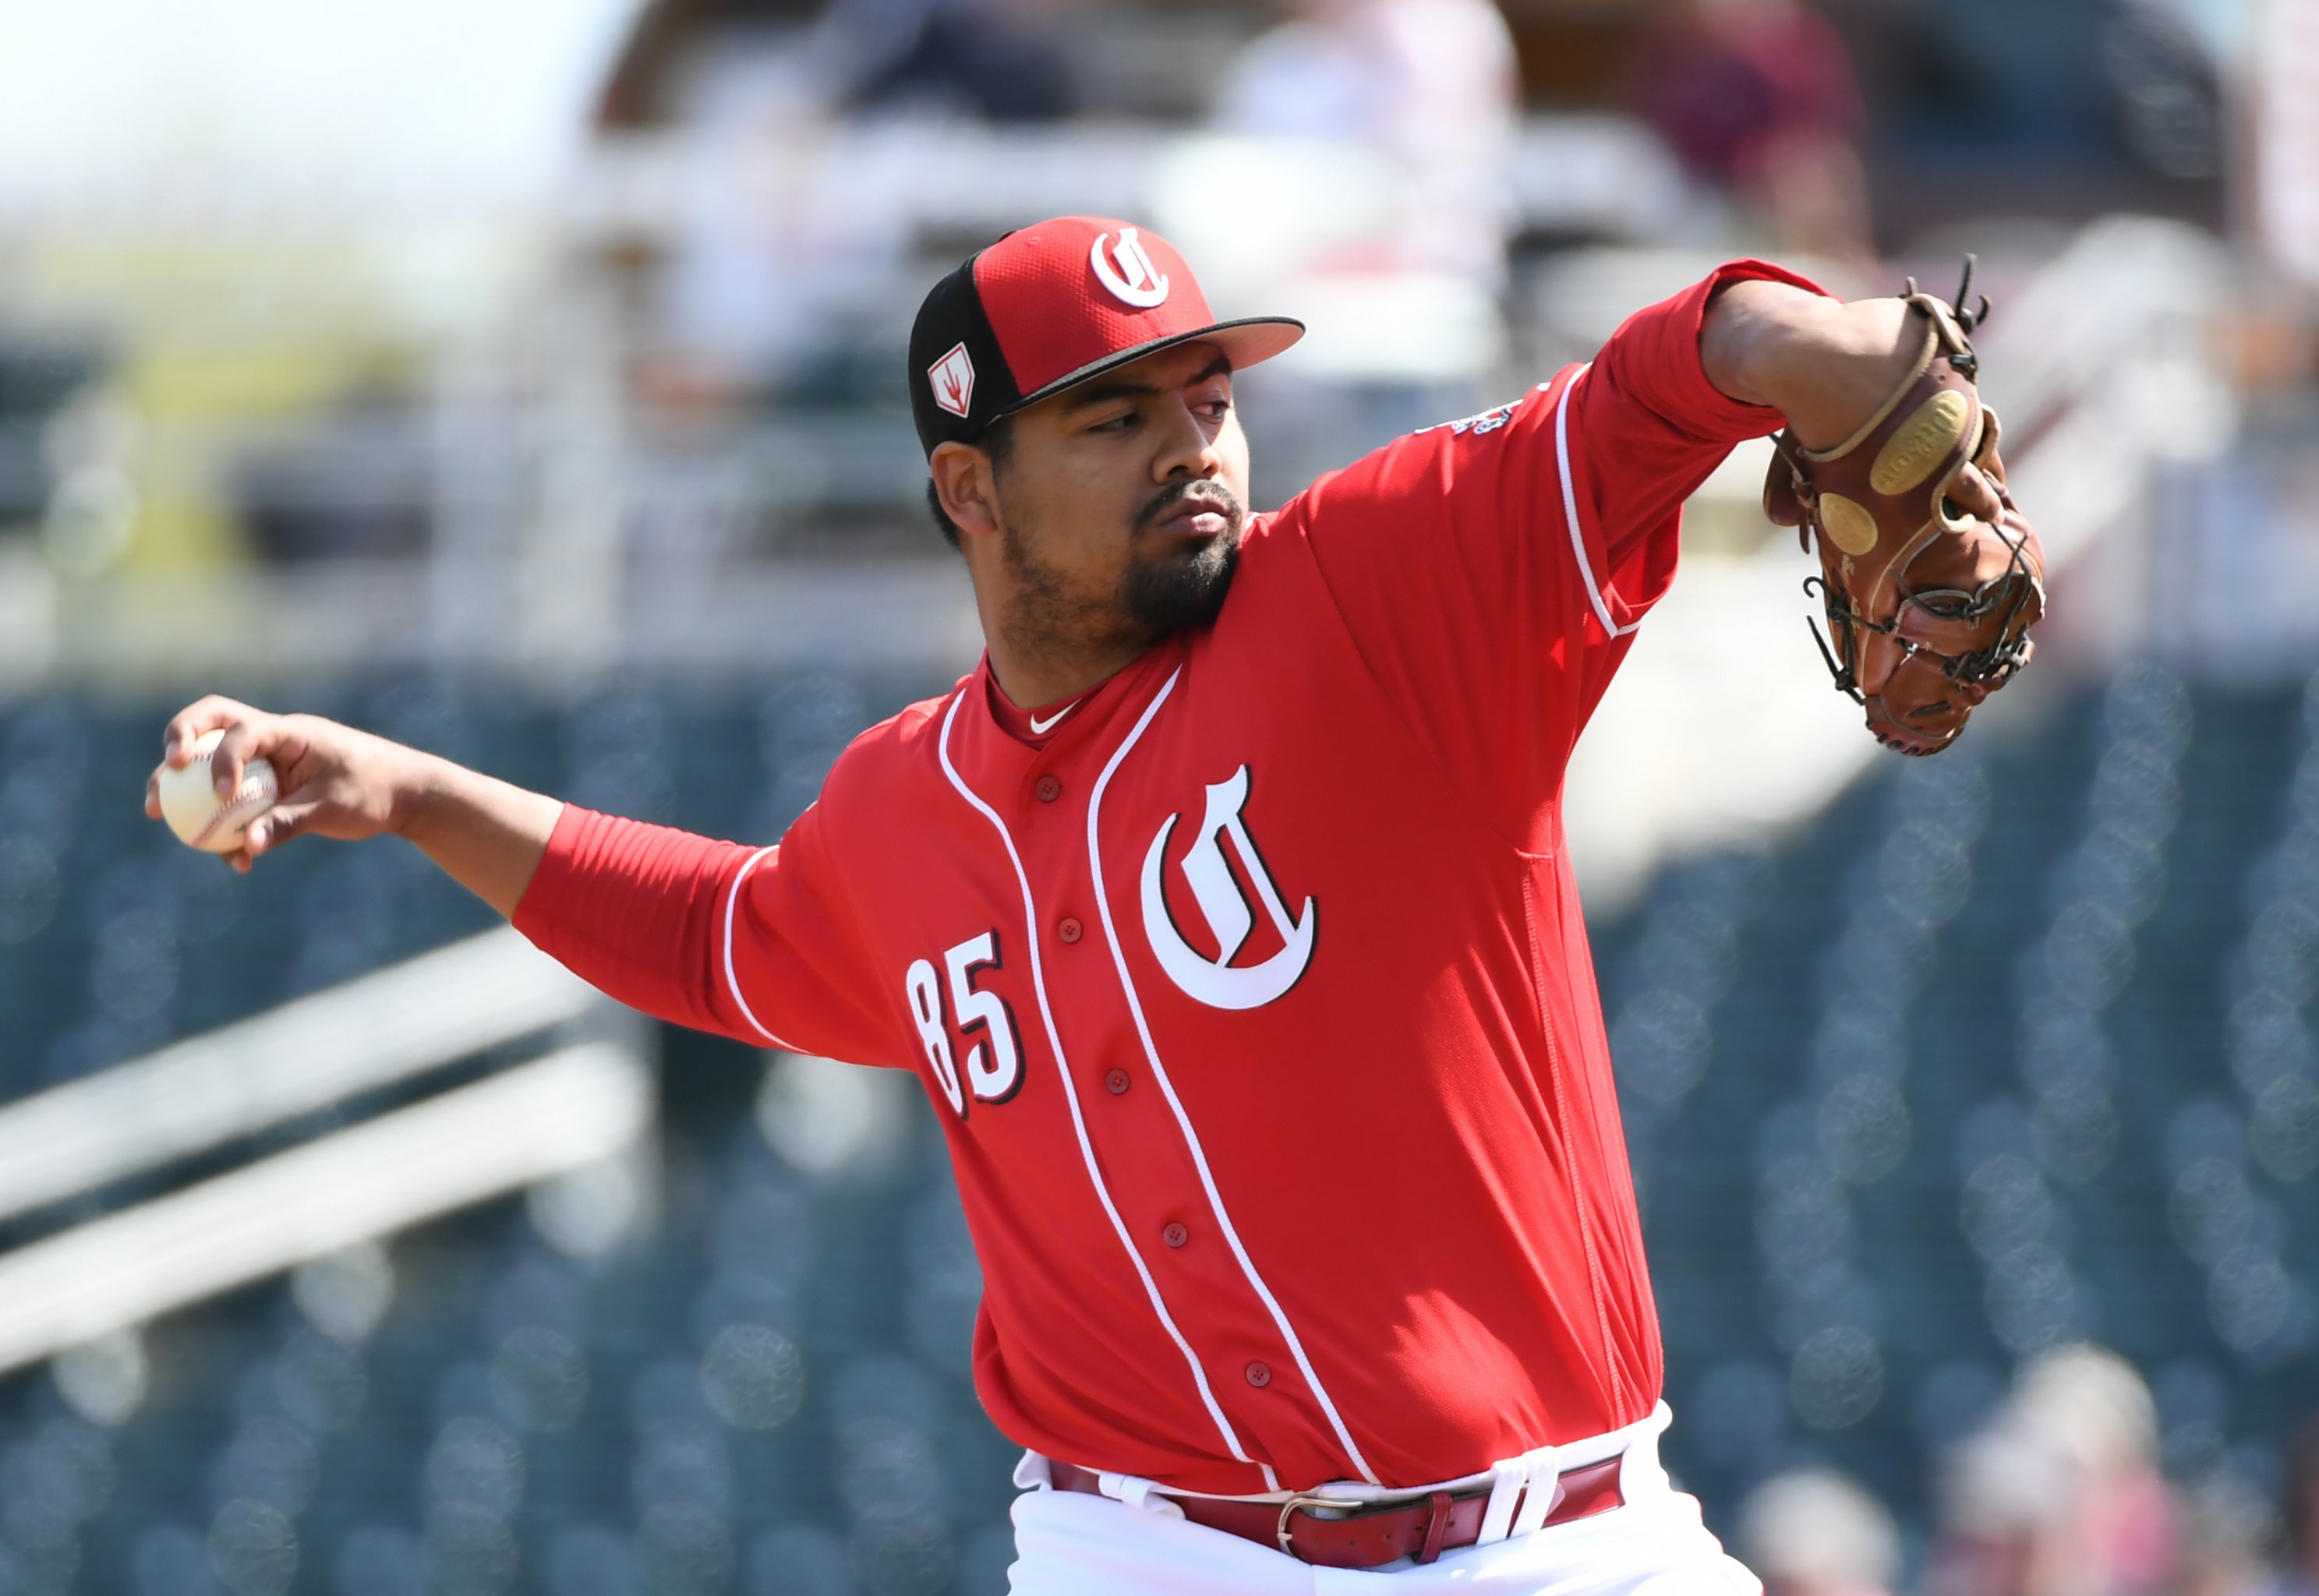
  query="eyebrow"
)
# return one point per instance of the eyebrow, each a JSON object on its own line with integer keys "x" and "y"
{"x": 1104, "y": 392}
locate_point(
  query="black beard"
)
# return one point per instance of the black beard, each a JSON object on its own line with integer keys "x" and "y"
{"x": 1185, "y": 586}
{"x": 1166, "y": 596}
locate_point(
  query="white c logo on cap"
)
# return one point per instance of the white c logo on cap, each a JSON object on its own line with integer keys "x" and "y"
{"x": 1131, "y": 281}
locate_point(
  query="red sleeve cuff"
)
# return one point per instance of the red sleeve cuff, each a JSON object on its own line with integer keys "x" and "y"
{"x": 551, "y": 883}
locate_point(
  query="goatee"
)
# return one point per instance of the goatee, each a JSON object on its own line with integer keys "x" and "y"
{"x": 1180, "y": 582}
{"x": 1185, "y": 587}
{"x": 1166, "y": 596}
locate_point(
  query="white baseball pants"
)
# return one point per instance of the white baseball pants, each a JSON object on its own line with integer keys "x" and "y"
{"x": 1067, "y": 1543}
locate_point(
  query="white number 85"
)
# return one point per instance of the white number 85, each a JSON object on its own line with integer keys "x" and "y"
{"x": 993, "y": 1073}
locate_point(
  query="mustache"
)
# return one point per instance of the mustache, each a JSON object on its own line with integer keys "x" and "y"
{"x": 1202, "y": 495}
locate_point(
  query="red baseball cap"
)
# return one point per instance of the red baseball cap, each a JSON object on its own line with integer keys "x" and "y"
{"x": 1053, "y": 305}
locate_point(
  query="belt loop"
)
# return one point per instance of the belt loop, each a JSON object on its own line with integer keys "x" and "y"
{"x": 1142, "y": 1494}
{"x": 1640, "y": 1469}
{"x": 1436, "y": 1526}
{"x": 1504, "y": 1491}
{"x": 1545, "y": 1470}
{"x": 1034, "y": 1473}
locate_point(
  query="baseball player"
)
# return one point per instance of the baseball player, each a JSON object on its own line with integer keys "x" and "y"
{"x": 1224, "y": 915}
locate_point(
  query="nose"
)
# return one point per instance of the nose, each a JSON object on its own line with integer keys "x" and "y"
{"x": 1187, "y": 446}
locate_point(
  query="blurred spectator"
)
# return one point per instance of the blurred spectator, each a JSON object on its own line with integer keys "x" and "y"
{"x": 1428, "y": 85}
{"x": 2097, "y": 1410}
{"x": 2285, "y": 136}
{"x": 2004, "y": 1509}
{"x": 772, "y": 276}
{"x": 2228, "y": 1530}
{"x": 985, "y": 59}
{"x": 2300, "y": 1577}
{"x": 1814, "y": 1532}
{"x": 1759, "y": 98}
{"x": 2060, "y": 1495}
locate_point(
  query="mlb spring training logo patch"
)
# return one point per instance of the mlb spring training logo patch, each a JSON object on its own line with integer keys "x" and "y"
{"x": 952, "y": 380}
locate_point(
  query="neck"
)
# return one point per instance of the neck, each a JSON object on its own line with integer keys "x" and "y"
{"x": 1044, "y": 646}
{"x": 1037, "y": 678}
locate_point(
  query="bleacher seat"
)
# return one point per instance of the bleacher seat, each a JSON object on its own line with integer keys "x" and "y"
{"x": 2005, "y": 1048}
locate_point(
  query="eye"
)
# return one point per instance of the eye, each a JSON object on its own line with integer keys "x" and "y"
{"x": 1125, "y": 423}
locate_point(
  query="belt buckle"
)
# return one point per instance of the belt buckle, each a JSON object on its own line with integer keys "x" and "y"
{"x": 1307, "y": 1501}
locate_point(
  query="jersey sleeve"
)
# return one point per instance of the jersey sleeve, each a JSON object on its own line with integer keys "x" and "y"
{"x": 753, "y": 944}
{"x": 1491, "y": 570}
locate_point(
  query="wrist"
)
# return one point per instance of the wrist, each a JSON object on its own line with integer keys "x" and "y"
{"x": 416, "y": 785}
{"x": 1824, "y": 365}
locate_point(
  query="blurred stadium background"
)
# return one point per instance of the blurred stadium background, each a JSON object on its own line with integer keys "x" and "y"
{"x": 524, "y": 382}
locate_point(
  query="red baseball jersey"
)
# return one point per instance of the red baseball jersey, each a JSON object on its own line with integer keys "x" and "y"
{"x": 1251, "y": 989}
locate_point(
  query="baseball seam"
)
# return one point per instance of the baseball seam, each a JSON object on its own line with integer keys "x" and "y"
{"x": 247, "y": 805}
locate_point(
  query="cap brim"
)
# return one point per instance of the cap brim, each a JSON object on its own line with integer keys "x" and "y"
{"x": 1244, "y": 343}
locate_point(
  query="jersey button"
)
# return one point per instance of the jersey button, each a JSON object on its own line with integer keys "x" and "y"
{"x": 1115, "y": 1081}
{"x": 1258, "y": 1375}
{"x": 1069, "y": 929}
{"x": 1175, "y": 1235}
{"x": 1048, "y": 789}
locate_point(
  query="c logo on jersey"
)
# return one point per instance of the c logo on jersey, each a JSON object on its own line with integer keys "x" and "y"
{"x": 1132, "y": 280}
{"x": 1216, "y": 982}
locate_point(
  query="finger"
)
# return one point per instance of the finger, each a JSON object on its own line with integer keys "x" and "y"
{"x": 1975, "y": 494}
{"x": 239, "y": 859}
{"x": 279, "y": 824}
{"x": 153, "y": 796}
{"x": 186, "y": 726}
{"x": 244, "y": 740}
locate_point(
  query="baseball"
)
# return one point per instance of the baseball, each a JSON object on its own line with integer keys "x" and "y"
{"x": 202, "y": 819}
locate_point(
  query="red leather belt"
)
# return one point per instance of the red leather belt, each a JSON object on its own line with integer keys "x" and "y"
{"x": 1334, "y": 1534}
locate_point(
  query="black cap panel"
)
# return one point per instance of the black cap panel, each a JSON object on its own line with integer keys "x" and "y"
{"x": 956, "y": 365}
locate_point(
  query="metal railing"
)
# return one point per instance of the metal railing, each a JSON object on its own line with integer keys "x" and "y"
{"x": 587, "y": 1097}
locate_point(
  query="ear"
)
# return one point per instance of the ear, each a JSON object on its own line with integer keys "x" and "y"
{"x": 963, "y": 477}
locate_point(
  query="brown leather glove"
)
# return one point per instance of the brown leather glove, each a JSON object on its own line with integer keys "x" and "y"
{"x": 1929, "y": 573}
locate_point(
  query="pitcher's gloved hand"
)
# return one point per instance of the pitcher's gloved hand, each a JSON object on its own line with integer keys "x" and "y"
{"x": 1930, "y": 574}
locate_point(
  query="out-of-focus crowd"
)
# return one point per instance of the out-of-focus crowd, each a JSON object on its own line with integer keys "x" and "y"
{"x": 2060, "y": 1493}
{"x": 1757, "y": 101}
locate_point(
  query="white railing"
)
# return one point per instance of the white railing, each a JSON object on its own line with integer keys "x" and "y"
{"x": 199, "y": 1093}
{"x": 589, "y": 1098}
